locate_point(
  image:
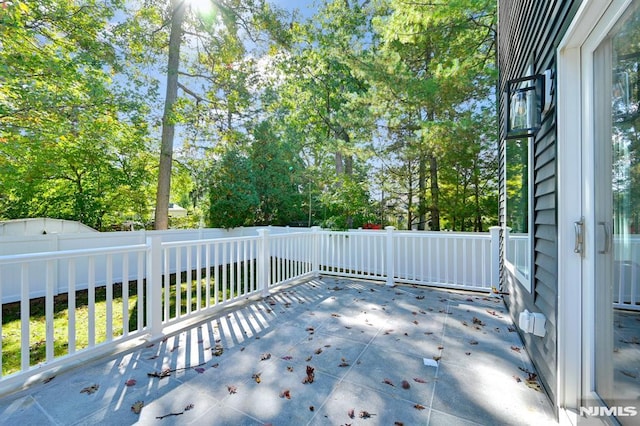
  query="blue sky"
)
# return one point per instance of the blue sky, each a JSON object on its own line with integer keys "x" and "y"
{"x": 306, "y": 7}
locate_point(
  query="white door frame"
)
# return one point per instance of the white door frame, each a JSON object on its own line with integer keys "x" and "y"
{"x": 576, "y": 322}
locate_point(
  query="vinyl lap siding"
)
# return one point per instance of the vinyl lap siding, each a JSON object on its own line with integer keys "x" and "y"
{"x": 528, "y": 34}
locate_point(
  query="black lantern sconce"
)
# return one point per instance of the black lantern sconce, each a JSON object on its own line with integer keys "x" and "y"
{"x": 527, "y": 99}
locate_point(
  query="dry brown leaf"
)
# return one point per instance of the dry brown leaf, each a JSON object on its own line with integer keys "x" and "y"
{"x": 351, "y": 413}
{"x": 388, "y": 382}
{"x": 137, "y": 407}
{"x": 265, "y": 356}
{"x": 285, "y": 394}
{"x": 419, "y": 380}
{"x": 419, "y": 407}
{"x": 90, "y": 389}
{"x": 232, "y": 389}
{"x": 515, "y": 348}
{"x": 405, "y": 384}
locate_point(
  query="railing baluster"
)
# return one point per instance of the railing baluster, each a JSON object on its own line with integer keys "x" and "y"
{"x": 71, "y": 305}
{"x": 125, "y": 294}
{"x": 91, "y": 321}
{"x": 188, "y": 280}
{"x": 167, "y": 284}
{"x": 109, "y": 298}
{"x": 225, "y": 266}
{"x": 140, "y": 292}
{"x": 198, "y": 277}
{"x": 207, "y": 265}
{"x": 216, "y": 272}
{"x": 24, "y": 317}
{"x": 49, "y": 306}
{"x": 178, "y": 285}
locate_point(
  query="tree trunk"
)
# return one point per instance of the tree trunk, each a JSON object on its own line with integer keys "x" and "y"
{"x": 435, "y": 193}
{"x": 168, "y": 126}
{"x": 422, "y": 193}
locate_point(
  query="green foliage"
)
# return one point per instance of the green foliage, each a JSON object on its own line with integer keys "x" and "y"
{"x": 232, "y": 194}
{"x": 73, "y": 144}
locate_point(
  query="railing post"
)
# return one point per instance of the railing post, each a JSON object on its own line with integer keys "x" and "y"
{"x": 390, "y": 256}
{"x": 154, "y": 286}
{"x": 495, "y": 256}
{"x": 264, "y": 261}
{"x": 315, "y": 251}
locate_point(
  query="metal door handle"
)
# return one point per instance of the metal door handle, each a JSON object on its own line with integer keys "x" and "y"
{"x": 607, "y": 237}
{"x": 579, "y": 238}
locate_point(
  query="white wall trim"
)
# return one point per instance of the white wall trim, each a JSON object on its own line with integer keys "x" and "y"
{"x": 575, "y": 140}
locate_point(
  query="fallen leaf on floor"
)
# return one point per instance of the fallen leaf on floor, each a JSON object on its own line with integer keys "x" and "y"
{"x": 311, "y": 330}
{"x": 467, "y": 353}
{"x": 285, "y": 394}
{"x": 199, "y": 370}
{"x": 469, "y": 299}
{"x": 48, "y": 379}
{"x": 265, "y": 356}
{"x": 415, "y": 322}
{"x": 419, "y": 380}
{"x": 153, "y": 357}
{"x": 90, "y": 389}
{"x": 232, "y": 389}
{"x": 388, "y": 382}
{"x": 441, "y": 347}
{"x": 309, "y": 358}
{"x": 473, "y": 342}
{"x": 511, "y": 329}
{"x": 629, "y": 374}
{"x": 398, "y": 424}
{"x": 419, "y": 407}
{"x": 351, "y": 413}
{"x": 494, "y": 313}
{"x": 137, "y": 407}
{"x": 477, "y": 321}
{"x": 515, "y": 348}
{"x": 366, "y": 414}
{"x": 256, "y": 377}
{"x": 289, "y": 369}
{"x": 217, "y": 351}
{"x": 388, "y": 331}
{"x": 310, "y": 375}
{"x": 130, "y": 382}
{"x": 216, "y": 365}
{"x": 287, "y": 357}
{"x": 344, "y": 363}
{"x": 335, "y": 315}
{"x": 160, "y": 375}
{"x": 518, "y": 379}
{"x": 318, "y": 351}
{"x": 405, "y": 384}
{"x": 419, "y": 297}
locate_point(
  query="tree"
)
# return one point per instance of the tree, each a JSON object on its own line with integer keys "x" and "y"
{"x": 73, "y": 140}
{"x": 233, "y": 196}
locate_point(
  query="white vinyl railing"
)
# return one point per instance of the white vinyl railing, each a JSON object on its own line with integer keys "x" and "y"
{"x": 112, "y": 295}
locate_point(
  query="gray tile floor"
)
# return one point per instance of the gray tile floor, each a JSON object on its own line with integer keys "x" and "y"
{"x": 366, "y": 342}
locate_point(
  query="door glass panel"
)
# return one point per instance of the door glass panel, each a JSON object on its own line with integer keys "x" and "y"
{"x": 617, "y": 210}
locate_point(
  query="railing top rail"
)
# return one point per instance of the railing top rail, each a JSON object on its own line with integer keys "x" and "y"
{"x": 414, "y": 234}
{"x": 57, "y": 255}
{"x": 186, "y": 243}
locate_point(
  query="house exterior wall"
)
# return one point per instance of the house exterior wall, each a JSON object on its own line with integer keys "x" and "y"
{"x": 528, "y": 35}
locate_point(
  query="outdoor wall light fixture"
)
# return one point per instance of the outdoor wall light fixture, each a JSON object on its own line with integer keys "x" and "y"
{"x": 527, "y": 98}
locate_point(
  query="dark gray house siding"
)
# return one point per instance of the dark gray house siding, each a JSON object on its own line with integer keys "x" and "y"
{"x": 528, "y": 35}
